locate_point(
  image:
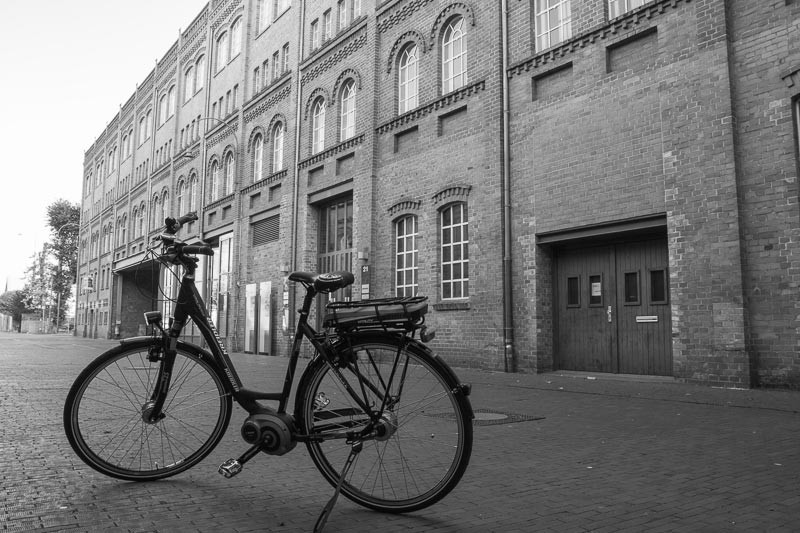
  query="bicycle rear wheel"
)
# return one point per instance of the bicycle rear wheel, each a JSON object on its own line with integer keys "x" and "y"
{"x": 105, "y": 422}
{"x": 423, "y": 443}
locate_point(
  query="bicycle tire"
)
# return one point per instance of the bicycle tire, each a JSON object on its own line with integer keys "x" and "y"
{"x": 105, "y": 426}
{"x": 429, "y": 445}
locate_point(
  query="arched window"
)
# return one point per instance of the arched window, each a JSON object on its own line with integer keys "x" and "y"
{"x": 142, "y": 130}
{"x": 162, "y": 109}
{"x": 171, "y": 101}
{"x": 318, "y": 126}
{"x": 188, "y": 84}
{"x": 230, "y": 172}
{"x": 454, "y": 56}
{"x": 348, "y": 111}
{"x": 236, "y": 37}
{"x": 155, "y": 211}
{"x": 180, "y": 198}
{"x": 200, "y": 73}
{"x": 142, "y": 211}
{"x": 214, "y": 181}
{"x": 134, "y": 218}
{"x": 193, "y": 192}
{"x": 408, "y": 80}
{"x": 258, "y": 158}
{"x": 148, "y": 123}
{"x": 222, "y": 51}
{"x": 277, "y": 147}
{"x": 123, "y": 230}
{"x": 164, "y": 208}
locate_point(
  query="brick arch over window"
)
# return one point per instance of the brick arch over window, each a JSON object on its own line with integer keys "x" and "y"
{"x": 406, "y": 206}
{"x": 277, "y": 118}
{"x": 453, "y": 10}
{"x": 408, "y": 38}
{"x": 258, "y": 130}
{"x": 453, "y": 193}
{"x": 319, "y": 92}
{"x": 211, "y": 160}
{"x": 344, "y": 77}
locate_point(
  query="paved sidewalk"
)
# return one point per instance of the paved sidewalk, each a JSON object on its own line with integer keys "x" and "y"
{"x": 553, "y": 452}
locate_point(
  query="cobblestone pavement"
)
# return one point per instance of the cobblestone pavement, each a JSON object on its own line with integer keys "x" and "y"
{"x": 574, "y": 453}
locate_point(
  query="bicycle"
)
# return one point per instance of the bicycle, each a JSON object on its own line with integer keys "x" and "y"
{"x": 373, "y": 398}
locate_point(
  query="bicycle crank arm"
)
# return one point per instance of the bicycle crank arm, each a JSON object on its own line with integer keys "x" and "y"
{"x": 326, "y": 512}
{"x": 231, "y": 467}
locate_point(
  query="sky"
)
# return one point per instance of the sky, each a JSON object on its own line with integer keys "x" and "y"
{"x": 67, "y": 66}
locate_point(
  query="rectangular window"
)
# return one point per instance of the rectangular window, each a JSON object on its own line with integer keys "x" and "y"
{"x": 632, "y": 288}
{"x": 327, "y": 26}
{"x": 265, "y": 73}
{"x": 342, "y": 14}
{"x": 658, "y": 286}
{"x": 285, "y": 58}
{"x": 574, "y": 291}
{"x": 595, "y": 290}
{"x": 455, "y": 252}
{"x": 275, "y": 65}
{"x": 620, "y": 7}
{"x": 314, "y": 34}
{"x": 256, "y": 79}
{"x": 553, "y": 22}
{"x": 406, "y": 257}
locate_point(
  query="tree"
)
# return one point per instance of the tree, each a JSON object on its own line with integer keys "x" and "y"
{"x": 14, "y": 304}
{"x": 63, "y": 217}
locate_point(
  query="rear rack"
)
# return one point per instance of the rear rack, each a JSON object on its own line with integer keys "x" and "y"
{"x": 405, "y": 314}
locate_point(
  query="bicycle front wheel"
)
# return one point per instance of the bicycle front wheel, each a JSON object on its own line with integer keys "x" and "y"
{"x": 105, "y": 415}
{"x": 419, "y": 449}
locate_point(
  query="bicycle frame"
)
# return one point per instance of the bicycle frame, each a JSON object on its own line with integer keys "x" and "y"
{"x": 190, "y": 305}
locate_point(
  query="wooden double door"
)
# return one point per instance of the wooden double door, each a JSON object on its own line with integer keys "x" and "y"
{"x": 612, "y": 308}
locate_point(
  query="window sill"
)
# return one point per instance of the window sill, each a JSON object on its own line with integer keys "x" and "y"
{"x": 452, "y": 306}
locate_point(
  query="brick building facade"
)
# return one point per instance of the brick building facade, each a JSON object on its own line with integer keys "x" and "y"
{"x": 596, "y": 185}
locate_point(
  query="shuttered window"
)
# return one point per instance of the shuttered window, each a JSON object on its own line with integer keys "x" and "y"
{"x": 266, "y": 231}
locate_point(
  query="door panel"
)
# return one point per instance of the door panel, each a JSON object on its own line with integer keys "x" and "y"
{"x": 612, "y": 309}
{"x": 644, "y": 323}
{"x": 585, "y": 338}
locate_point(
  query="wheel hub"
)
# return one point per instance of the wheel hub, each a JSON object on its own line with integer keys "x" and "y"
{"x": 386, "y": 426}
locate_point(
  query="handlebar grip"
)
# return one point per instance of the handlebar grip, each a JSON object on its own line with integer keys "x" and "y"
{"x": 201, "y": 249}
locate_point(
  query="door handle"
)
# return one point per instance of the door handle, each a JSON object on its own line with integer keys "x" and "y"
{"x": 609, "y": 314}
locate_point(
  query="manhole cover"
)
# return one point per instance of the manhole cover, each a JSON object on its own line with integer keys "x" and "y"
{"x": 490, "y": 417}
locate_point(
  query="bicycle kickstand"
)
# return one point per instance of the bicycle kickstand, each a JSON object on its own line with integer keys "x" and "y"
{"x": 326, "y": 512}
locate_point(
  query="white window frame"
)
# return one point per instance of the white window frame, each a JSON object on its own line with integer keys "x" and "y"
{"x": 277, "y": 147}
{"x": 214, "y": 180}
{"x": 258, "y": 157}
{"x": 223, "y": 47}
{"x": 200, "y": 73}
{"x": 548, "y": 36}
{"x": 406, "y": 256}
{"x": 620, "y": 7}
{"x": 314, "y": 34}
{"x": 193, "y": 190}
{"x": 348, "y": 111}
{"x": 230, "y": 173}
{"x": 236, "y": 37}
{"x": 327, "y": 25}
{"x": 408, "y": 80}
{"x": 454, "y": 244}
{"x": 454, "y": 55}
{"x": 318, "y": 126}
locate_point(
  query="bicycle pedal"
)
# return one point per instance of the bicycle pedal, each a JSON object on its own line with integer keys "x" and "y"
{"x": 230, "y": 468}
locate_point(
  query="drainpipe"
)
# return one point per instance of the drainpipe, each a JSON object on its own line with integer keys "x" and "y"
{"x": 508, "y": 309}
{"x": 296, "y": 192}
